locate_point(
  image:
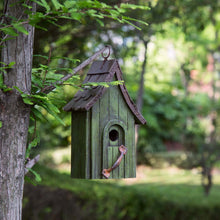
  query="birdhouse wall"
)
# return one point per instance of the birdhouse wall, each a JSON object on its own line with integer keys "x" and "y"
{"x": 80, "y": 152}
{"x": 92, "y": 151}
{"x": 112, "y": 110}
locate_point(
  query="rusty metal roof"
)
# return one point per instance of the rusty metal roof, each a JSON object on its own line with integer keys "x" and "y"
{"x": 101, "y": 71}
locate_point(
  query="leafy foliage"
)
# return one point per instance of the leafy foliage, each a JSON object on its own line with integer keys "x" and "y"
{"x": 73, "y": 10}
{"x": 48, "y": 72}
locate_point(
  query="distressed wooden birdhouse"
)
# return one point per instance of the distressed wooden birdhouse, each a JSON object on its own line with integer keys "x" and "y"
{"x": 103, "y": 126}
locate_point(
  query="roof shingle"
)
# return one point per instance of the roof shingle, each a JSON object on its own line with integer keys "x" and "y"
{"x": 101, "y": 71}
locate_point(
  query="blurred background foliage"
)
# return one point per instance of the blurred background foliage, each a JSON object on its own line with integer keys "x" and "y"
{"x": 181, "y": 37}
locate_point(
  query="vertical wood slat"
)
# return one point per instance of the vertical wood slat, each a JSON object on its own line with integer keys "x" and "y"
{"x": 115, "y": 155}
{"x": 110, "y": 158}
{"x": 122, "y": 112}
{"x": 113, "y": 108}
{"x": 134, "y": 162}
{"x": 121, "y": 168}
{"x": 95, "y": 143}
{"x": 104, "y": 118}
{"x": 88, "y": 145}
{"x": 131, "y": 156}
{"x": 113, "y": 102}
{"x": 79, "y": 144}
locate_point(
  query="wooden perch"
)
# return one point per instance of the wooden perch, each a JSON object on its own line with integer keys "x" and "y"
{"x": 31, "y": 163}
{"x": 49, "y": 88}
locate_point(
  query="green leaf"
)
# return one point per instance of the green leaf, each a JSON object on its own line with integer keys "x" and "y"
{"x": 100, "y": 22}
{"x": 27, "y": 101}
{"x": 11, "y": 64}
{"x": 133, "y": 19}
{"x": 20, "y": 28}
{"x": 115, "y": 83}
{"x": 56, "y": 4}
{"x": 0, "y": 124}
{"x": 52, "y": 110}
{"x": 9, "y": 31}
{"x": 36, "y": 175}
{"x": 38, "y": 55}
{"x": 38, "y": 114}
{"x": 27, "y": 6}
{"x": 70, "y": 4}
{"x": 31, "y": 145}
{"x": 133, "y": 6}
{"x": 76, "y": 16}
{"x": 21, "y": 92}
{"x": 45, "y": 5}
{"x": 6, "y": 89}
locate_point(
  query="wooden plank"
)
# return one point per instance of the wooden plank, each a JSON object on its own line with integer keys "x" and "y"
{"x": 121, "y": 168}
{"x": 130, "y": 170}
{"x": 104, "y": 110}
{"x": 122, "y": 112}
{"x": 113, "y": 102}
{"x": 113, "y": 156}
{"x": 104, "y": 118}
{"x": 113, "y": 111}
{"x": 78, "y": 153}
{"x": 110, "y": 158}
{"x": 95, "y": 143}
{"x": 88, "y": 146}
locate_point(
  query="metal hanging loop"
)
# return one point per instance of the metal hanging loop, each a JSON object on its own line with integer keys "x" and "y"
{"x": 108, "y": 54}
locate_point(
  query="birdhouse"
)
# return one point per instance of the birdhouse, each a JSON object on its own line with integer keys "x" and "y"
{"x": 103, "y": 126}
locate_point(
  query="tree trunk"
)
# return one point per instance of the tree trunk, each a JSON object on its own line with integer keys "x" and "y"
{"x": 14, "y": 115}
{"x": 139, "y": 102}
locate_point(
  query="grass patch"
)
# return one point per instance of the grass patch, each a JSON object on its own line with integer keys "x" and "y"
{"x": 155, "y": 194}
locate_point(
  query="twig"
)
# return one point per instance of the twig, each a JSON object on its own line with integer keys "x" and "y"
{"x": 31, "y": 163}
{"x": 49, "y": 88}
{"x": 2, "y": 41}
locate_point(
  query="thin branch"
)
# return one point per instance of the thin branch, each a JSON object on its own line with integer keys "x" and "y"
{"x": 10, "y": 25}
{"x": 49, "y": 88}
{"x": 2, "y": 41}
{"x": 31, "y": 163}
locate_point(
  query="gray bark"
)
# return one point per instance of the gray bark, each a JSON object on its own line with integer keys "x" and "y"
{"x": 139, "y": 102}
{"x": 14, "y": 115}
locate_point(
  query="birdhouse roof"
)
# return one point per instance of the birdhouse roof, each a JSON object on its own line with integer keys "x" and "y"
{"x": 101, "y": 71}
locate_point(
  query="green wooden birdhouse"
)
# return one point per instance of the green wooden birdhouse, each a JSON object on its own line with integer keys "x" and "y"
{"x": 103, "y": 127}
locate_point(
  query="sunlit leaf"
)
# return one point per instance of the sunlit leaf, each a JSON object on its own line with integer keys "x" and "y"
{"x": 20, "y": 28}
{"x": 56, "y": 4}
{"x": 10, "y": 31}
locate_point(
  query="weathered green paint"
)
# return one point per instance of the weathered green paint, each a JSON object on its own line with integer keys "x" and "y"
{"x": 80, "y": 145}
{"x": 95, "y": 142}
{"x": 131, "y": 156}
{"x": 92, "y": 150}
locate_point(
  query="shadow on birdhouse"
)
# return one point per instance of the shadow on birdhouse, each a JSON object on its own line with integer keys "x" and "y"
{"x": 103, "y": 127}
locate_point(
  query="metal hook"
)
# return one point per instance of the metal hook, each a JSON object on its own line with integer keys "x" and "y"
{"x": 108, "y": 54}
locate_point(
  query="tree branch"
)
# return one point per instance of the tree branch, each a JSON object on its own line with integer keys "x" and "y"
{"x": 31, "y": 163}
{"x": 49, "y": 88}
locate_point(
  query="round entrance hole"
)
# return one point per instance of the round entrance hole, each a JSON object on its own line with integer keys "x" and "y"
{"x": 113, "y": 135}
